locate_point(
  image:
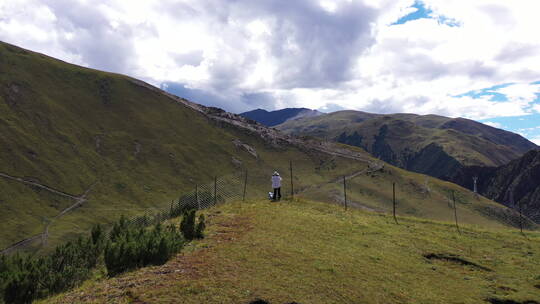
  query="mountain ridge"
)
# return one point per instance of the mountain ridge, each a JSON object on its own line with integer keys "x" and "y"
{"x": 274, "y": 118}
{"x": 400, "y": 138}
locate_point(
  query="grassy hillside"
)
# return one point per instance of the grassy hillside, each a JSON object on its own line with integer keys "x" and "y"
{"x": 310, "y": 252}
{"x": 108, "y": 145}
{"x": 71, "y": 128}
{"x": 414, "y": 142}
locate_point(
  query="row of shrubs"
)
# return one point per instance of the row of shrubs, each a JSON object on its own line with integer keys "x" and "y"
{"x": 127, "y": 246}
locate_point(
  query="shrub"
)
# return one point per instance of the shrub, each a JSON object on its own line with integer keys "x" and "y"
{"x": 187, "y": 226}
{"x": 134, "y": 247}
{"x": 24, "y": 279}
{"x": 201, "y": 226}
{"x": 129, "y": 246}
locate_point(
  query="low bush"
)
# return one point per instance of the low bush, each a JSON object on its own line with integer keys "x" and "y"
{"x": 24, "y": 279}
{"x": 133, "y": 247}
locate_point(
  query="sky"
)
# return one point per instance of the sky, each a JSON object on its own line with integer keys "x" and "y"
{"x": 459, "y": 58}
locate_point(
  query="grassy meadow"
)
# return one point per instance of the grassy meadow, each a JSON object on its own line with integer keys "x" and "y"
{"x": 311, "y": 252}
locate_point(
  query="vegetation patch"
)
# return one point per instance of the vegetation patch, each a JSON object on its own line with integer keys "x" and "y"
{"x": 309, "y": 252}
{"x": 128, "y": 246}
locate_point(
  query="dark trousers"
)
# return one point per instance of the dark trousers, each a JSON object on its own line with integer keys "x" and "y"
{"x": 277, "y": 193}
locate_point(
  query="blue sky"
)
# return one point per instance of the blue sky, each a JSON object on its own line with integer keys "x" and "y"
{"x": 525, "y": 125}
{"x": 421, "y": 12}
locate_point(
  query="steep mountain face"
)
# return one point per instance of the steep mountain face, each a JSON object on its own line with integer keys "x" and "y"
{"x": 429, "y": 144}
{"x": 516, "y": 184}
{"x": 274, "y": 118}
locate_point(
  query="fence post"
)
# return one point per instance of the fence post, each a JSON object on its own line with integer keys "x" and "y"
{"x": 455, "y": 211}
{"x": 394, "y": 201}
{"x": 245, "y": 186}
{"x": 197, "y": 196}
{"x": 345, "y": 191}
{"x": 520, "y": 217}
{"x": 292, "y": 184}
{"x": 215, "y": 190}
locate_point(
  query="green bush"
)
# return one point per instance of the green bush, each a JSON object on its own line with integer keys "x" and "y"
{"x": 201, "y": 226}
{"x": 134, "y": 247}
{"x": 187, "y": 226}
{"x": 24, "y": 279}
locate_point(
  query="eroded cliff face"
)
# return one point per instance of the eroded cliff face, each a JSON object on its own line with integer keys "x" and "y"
{"x": 431, "y": 159}
{"x": 516, "y": 184}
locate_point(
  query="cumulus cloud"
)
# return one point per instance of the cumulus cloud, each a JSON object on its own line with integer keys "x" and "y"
{"x": 339, "y": 54}
{"x": 536, "y": 140}
{"x": 493, "y": 124}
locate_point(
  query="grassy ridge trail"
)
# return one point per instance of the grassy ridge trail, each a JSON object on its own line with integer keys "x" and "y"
{"x": 310, "y": 252}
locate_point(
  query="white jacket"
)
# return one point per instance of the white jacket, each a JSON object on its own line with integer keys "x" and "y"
{"x": 276, "y": 181}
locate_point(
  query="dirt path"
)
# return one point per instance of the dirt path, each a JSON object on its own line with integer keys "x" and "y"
{"x": 79, "y": 201}
{"x": 36, "y": 184}
{"x": 373, "y": 167}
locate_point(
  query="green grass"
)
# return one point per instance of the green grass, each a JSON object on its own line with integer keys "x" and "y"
{"x": 312, "y": 252}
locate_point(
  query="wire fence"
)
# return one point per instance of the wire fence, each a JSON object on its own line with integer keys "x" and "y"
{"x": 359, "y": 189}
{"x": 220, "y": 190}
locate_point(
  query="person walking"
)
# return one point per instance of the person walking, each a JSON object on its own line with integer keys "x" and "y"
{"x": 276, "y": 184}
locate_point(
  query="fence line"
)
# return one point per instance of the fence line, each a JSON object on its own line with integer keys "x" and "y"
{"x": 234, "y": 187}
{"x": 220, "y": 190}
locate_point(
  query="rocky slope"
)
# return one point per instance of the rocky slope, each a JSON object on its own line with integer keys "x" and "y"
{"x": 516, "y": 184}
{"x": 429, "y": 144}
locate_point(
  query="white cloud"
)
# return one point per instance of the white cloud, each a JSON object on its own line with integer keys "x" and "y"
{"x": 494, "y": 124}
{"x": 318, "y": 54}
{"x": 536, "y": 140}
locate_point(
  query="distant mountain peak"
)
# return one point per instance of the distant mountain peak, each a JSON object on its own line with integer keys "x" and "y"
{"x": 274, "y": 118}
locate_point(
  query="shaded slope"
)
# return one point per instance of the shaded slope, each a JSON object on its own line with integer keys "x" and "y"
{"x": 274, "y": 118}
{"x": 516, "y": 184}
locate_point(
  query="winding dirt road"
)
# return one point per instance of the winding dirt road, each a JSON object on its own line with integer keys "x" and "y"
{"x": 79, "y": 201}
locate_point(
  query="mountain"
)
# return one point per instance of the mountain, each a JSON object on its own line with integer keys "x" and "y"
{"x": 430, "y": 144}
{"x": 81, "y": 146}
{"x": 275, "y": 118}
{"x": 516, "y": 184}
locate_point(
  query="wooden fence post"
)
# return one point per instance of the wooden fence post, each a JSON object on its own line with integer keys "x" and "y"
{"x": 215, "y": 190}
{"x": 197, "y": 196}
{"x": 394, "y": 201}
{"x": 292, "y": 184}
{"x": 245, "y": 186}
{"x": 455, "y": 211}
{"x": 345, "y": 191}
{"x": 520, "y": 217}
